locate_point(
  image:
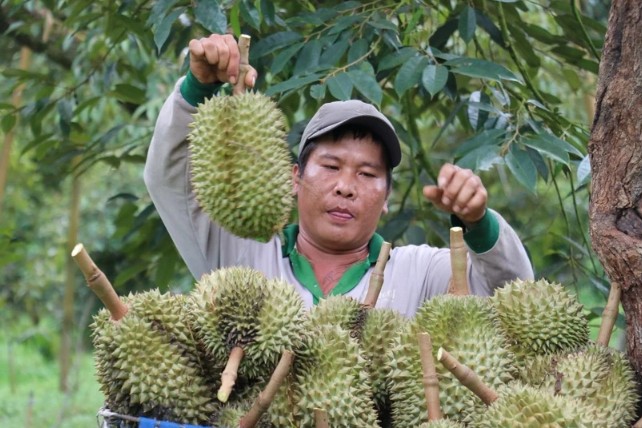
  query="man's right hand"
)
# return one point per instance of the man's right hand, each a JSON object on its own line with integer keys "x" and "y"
{"x": 216, "y": 59}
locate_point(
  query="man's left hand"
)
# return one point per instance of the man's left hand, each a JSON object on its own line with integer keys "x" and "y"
{"x": 460, "y": 192}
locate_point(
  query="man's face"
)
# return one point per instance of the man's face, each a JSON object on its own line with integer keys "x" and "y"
{"x": 342, "y": 193}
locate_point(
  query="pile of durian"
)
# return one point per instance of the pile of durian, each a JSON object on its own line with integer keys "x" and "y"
{"x": 241, "y": 350}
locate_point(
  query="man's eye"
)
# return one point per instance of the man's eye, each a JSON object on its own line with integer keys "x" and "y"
{"x": 332, "y": 167}
{"x": 367, "y": 174}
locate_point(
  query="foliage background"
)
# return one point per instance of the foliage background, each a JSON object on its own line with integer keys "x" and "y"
{"x": 501, "y": 87}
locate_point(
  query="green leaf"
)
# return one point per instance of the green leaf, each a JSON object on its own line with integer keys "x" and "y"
{"x": 65, "y": 113}
{"x": 396, "y": 58}
{"x": 268, "y": 12}
{"x": 340, "y": 86}
{"x": 308, "y": 58}
{"x": 521, "y": 165}
{"x": 211, "y": 16}
{"x": 161, "y": 33}
{"x": 367, "y": 85}
{"x": 333, "y": 53}
{"x": 547, "y": 147}
{"x": 275, "y": 41}
{"x": 481, "y": 69}
{"x": 434, "y": 78}
{"x": 318, "y": 91}
{"x": 8, "y": 122}
{"x": 523, "y": 45}
{"x": 284, "y": 57}
{"x": 344, "y": 23}
{"x": 467, "y": 23}
{"x": 159, "y": 10}
{"x": 409, "y": 74}
{"x": 290, "y": 84}
{"x": 250, "y": 14}
{"x": 357, "y": 51}
{"x": 129, "y": 93}
{"x": 584, "y": 171}
{"x": 481, "y": 159}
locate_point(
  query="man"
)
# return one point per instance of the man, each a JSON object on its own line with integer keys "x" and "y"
{"x": 342, "y": 184}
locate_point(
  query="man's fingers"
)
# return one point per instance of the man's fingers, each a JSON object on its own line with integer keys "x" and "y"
{"x": 231, "y": 65}
{"x": 196, "y": 49}
{"x": 250, "y": 77}
{"x": 433, "y": 193}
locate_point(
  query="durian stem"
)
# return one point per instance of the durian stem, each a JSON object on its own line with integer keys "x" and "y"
{"x": 244, "y": 50}
{"x": 321, "y": 419}
{"x": 98, "y": 282}
{"x": 467, "y": 377}
{"x": 430, "y": 380}
{"x": 458, "y": 262}
{"x": 228, "y": 377}
{"x": 266, "y": 396}
{"x": 609, "y": 315}
{"x": 376, "y": 278}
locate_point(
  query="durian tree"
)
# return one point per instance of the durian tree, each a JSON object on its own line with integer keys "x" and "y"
{"x": 615, "y": 148}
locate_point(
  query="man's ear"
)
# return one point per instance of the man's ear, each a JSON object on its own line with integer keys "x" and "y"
{"x": 295, "y": 179}
{"x": 384, "y": 210}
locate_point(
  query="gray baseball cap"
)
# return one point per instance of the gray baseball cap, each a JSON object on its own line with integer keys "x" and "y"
{"x": 332, "y": 115}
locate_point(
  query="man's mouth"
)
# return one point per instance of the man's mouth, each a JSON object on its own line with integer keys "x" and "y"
{"x": 341, "y": 213}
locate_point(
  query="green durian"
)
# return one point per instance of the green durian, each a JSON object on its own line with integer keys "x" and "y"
{"x": 374, "y": 329}
{"x": 597, "y": 376}
{"x": 148, "y": 375}
{"x": 540, "y": 317}
{"x": 465, "y": 327}
{"x": 241, "y": 165}
{"x": 240, "y": 307}
{"x": 170, "y": 314}
{"x": 524, "y": 406}
{"x": 330, "y": 374}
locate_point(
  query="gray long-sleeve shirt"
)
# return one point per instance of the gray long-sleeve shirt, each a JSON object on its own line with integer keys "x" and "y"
{"x": 413, "y": 273}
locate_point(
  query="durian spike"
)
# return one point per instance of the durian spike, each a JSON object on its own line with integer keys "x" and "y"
{"x": 467, "y": 377}
{"x": 430, "y": 380}
{"x": 228, "y": 377}
{"x": 98, "y": 282}
{"x": 244, "y": 50}
{"x": 458, "y": 262}
{"x": 321, "y": 419}
{"x": 266, "y": 396}
{"x": 609, "y": 315}
{"x": 376, "y": 278}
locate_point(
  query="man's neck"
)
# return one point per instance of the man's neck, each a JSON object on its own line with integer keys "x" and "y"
{"x": 329, "y": 266}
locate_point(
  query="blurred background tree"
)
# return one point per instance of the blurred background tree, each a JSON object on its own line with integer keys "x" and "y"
{"x": 503, "y": 87}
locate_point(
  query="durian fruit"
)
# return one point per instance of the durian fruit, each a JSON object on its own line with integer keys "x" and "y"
{"x": 522, "y": 406}
{"x": 330, "y": 374}
{"x": 169, "y": 314}
{"x": 146, "y": 374}
{"x": 238, "y": 311}
{"x": 374, "y": 329}
{"x": 466, "y": 327}
{"x": 241, "y": 165}
{"x": 540, "y": 317}
{"x": 597, "y": 376}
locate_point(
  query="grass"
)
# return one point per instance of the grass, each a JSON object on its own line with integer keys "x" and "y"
{"x": 29, "y": 393}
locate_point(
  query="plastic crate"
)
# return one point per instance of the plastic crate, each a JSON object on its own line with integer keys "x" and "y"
{"x": 105, "y": 418}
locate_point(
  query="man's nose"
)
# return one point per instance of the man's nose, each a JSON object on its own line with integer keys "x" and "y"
{"x": 345, "y": 187}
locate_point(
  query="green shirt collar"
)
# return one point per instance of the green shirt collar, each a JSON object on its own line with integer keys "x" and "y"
{"x": 305, "y": 274}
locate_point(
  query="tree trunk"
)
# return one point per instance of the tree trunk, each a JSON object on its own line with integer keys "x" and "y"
{"x": 67, "y": 328}
{"x": 16, "y": 100}
{"x": 615, "y": 149}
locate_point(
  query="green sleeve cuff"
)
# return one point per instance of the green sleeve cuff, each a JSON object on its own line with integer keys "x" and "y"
{"x": 196, "y": 92}
{"x": 483, "y": 236}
